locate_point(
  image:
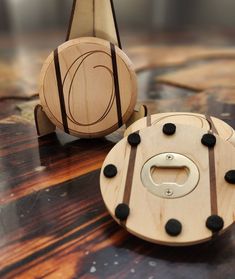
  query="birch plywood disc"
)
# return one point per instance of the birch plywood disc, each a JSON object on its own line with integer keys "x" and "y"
{"x": 201, "y": 121}
{"x": 88, "y": 87}
{"x": 171, "y": 188}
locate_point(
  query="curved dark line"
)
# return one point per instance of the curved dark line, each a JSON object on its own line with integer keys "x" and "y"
{"x": 110, "y": 104}
{"x": 48, "y": 107}
{"x": 183, "y": 114}
{"x": 197, "y": 116}
{"x": 66, "y": 75}
{"x": 72, "y": 118}
{"x": 93, "y": 51}
{"x": 64, "y": 82}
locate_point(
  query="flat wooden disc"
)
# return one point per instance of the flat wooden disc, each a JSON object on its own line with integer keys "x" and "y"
{"x": 88, "y": 87}
{"x": 204, "y": 122}
{"x": 149, "y": 213}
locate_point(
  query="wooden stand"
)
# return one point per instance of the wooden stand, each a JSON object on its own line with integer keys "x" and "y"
{"x": 43, "y": 124}
{"x": 94, "y": 18}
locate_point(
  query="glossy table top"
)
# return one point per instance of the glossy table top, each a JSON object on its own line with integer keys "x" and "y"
{"x": 54, "y": 223}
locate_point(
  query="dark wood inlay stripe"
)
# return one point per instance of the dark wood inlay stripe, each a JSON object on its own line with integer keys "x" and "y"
{"x": 130, "y": 172}
{"x": 94, "y": 31}
{"x": 71, "y": 20}
{"x": 116, "y": 25}
{"x": 148, "y": 120}
{"x": 60, "y": 91}
{"x": 116, "y": 84}
{"x": 212, "y": 125}
{"x": 129, "y": 178}
{"x": 213, "y": 190}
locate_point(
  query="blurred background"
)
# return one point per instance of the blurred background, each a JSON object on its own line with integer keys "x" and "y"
{"x": 31, "y": 29}
{"x": 19, "y": 17}
{"x": 34, "y": 15}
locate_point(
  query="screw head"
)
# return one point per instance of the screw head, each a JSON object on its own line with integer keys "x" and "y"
{"x": 169, "y": 157}
{"x": 169, "y": 192}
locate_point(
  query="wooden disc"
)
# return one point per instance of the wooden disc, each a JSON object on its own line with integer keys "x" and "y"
{"x": 88, "y": 87}
{"x": 198, "y": 192}
{"x": 204, "y": 122}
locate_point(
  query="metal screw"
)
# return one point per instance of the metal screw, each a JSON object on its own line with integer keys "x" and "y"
{"x": 169, "y": 192}
{"x": 169, "y": 157}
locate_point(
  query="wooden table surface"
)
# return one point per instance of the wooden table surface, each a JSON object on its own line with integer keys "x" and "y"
{"x": 53, "y": 221}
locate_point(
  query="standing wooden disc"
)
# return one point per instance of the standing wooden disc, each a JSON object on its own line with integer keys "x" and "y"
{"x": 88, "y": 87}
{"x": 201, "y": 121}
{"x": 199, "y": 197}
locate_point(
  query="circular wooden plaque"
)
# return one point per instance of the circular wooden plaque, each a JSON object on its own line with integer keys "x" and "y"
{"x": 204, "y": 122}
{"x": 189, "y": 204}
{"x": 88, "y": 87}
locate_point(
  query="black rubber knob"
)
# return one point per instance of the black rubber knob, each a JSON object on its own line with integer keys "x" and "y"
{"x": 169, "y": 129}
{"x": 230, "y": 177}
{"x": 209, "y": 140}
{"x": 110, "y": 171}
{"x": 173, "y": 227}
{"x": 134, "y": 139}
{"x": 122, "y": 211}
{"x": 215, "y": 223}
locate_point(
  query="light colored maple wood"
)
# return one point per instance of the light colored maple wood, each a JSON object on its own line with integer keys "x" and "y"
{"x": 88, "y": 87}
{"x": 93, "y": 18}
{"x": 43, "y": 124}
{"x": 149, "y": 213}
{"x": 193, "y": 119}
{"x": 202, "y": 77}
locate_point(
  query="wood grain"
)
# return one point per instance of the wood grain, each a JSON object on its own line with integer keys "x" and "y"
{"x": 52, "y": 215}
{"x": 64, "y": 230}
{"x": 88, "y": 87}
{"x": 149, "y": 213}
{"x": 41, "y": 169}
{"x": 192, "y": 119}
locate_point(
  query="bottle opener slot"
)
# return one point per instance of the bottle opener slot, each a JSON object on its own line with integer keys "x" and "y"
{"x": 173, "y": 162}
